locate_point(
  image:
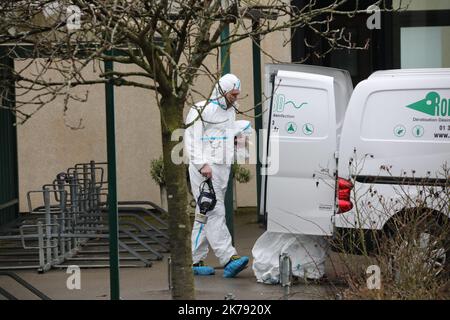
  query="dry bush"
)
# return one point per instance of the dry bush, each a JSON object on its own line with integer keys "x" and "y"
{"x": 411, "y": 252}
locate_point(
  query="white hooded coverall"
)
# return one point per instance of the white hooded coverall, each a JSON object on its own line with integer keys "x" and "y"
{"x": 210, "y": 140}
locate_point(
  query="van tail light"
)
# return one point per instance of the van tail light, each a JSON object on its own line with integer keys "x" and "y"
{"x": 343, "y": 193}
{"x": 344, "y": 206}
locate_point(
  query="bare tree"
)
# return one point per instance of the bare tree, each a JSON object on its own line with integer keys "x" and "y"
{"x": 169, "y": 40}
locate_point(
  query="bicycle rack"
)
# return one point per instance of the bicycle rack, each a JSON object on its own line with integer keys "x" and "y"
{"x": 71, "y": 225}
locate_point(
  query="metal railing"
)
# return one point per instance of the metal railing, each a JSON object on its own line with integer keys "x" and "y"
{"x": 71, "y": 220}
{"x": 23, "y": 283}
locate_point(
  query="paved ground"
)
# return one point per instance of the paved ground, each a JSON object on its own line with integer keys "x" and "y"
{"x": 152, "y": 283}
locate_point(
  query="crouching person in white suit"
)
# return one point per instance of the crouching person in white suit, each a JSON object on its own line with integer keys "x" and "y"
{"x": 209, "y": 143}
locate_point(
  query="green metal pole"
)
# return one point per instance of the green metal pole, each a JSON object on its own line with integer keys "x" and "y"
{"x": 258, "y": 113}
{"x": 225, "y": 61}
{"x": 9, "y": 188}
{"x": 225, "y": 52}
{"x": 112, "y": 188}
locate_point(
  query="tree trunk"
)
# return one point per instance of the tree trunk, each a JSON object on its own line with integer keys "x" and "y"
{"x": 179, "y": 221}
{"x": 163, "y": 193}
{"x": 235, "y": 196}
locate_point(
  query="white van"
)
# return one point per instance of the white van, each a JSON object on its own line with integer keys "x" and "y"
{"x": 378, "y": 142}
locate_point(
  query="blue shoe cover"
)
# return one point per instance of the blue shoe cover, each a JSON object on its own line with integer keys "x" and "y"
{"x": 234, "y": 267}
{"x": 203, "y": 270}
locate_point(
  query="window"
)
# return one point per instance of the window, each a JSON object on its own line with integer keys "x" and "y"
{"x": 421, "y": 35}
{"x": 425, "y": 47}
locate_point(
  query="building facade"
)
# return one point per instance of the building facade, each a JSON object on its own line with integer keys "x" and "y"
{"x": 417, "y": 37}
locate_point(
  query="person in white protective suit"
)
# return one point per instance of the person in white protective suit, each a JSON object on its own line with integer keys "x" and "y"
{"x": 209, "y": 143}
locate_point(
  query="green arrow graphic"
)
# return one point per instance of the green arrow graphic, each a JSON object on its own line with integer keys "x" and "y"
{"x": 429, "y": 105}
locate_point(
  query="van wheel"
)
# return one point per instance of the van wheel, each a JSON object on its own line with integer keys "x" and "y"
{"x": 419, "y": 238}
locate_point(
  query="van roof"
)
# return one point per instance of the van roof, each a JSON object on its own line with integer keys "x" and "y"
{"x": 410, "y": 72}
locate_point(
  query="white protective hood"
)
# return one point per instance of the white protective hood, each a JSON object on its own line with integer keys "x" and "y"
{"x": 225, "y": 84}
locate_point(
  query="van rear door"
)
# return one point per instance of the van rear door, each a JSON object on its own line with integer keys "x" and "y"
{"x": 343, "y": 89}
{"x": 300, "y": 184}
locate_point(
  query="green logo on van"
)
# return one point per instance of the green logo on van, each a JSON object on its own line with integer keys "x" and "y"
{"x": 281, "y": 103}
{"x": 432, "y": 105}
